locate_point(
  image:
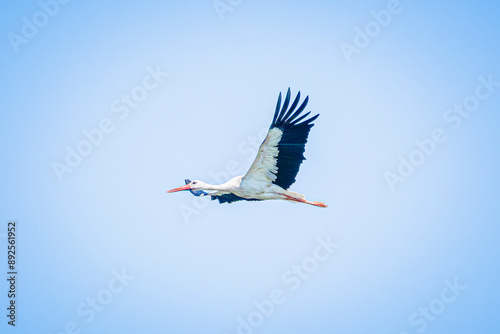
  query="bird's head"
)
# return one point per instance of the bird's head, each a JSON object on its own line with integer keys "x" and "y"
{"x": 190, "y": 185}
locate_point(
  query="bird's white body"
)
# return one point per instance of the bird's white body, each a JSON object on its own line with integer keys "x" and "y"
{"x": 276, "y": 165}
{"x": 247, "y": 190}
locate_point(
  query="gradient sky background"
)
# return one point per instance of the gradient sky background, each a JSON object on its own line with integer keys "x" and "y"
{"x": 198, "y": 275}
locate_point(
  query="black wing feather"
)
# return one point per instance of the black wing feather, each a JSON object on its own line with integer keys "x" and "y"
{"x": 230, "y": 198}
{"x": 285, "y": 106}
{"x": 292, "y": 108}
{"x": 301, "y": 108}
{"x": 291, "y": 147}
{"x": 278, "y": 106}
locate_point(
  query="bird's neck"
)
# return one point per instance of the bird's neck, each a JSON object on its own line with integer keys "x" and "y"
{"x": 228, "y": 186}
{"x": 215, "y": 187}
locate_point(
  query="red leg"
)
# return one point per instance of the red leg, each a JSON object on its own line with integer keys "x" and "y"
{"x": 300, "y": 200}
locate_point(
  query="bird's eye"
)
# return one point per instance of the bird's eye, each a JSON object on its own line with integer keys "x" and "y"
{"x": 194, "y": 182}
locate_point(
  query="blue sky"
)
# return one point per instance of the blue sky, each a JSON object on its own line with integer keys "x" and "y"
{"x": 153, "y": 92}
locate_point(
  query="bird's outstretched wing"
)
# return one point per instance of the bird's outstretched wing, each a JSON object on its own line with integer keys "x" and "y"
{"x": 282, "y": 152}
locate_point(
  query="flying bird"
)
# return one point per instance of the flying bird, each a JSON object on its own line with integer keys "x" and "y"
{"x": 276, "y": 165}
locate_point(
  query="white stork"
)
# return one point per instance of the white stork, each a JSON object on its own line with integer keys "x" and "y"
{"x": 276, "y": 165}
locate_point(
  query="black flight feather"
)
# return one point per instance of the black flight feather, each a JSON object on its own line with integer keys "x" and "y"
{"x": 230, "y": 198}
{"x": 278, "y": 106}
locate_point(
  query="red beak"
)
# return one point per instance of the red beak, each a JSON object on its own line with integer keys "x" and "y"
{"x": 186, "y": 187}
